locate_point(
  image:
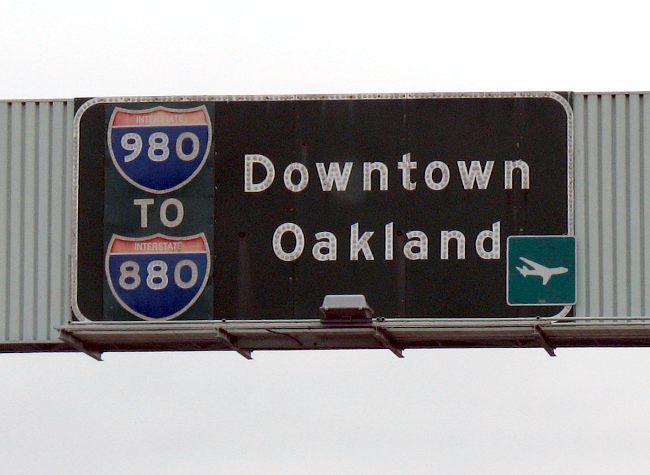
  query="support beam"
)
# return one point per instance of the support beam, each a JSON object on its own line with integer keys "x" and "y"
{"x": 544, "y": 341}
{"x": 384, "y": 338}
{"x": 228, "y": 340}
{"x": 79, "y": 345}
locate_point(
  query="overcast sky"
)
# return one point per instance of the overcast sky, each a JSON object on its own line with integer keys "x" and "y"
{"x": 436, "y": 411}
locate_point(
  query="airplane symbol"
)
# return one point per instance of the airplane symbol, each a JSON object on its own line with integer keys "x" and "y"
{"x": 539, "y": 270}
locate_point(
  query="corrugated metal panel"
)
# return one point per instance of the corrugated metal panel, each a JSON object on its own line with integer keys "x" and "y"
{"x": 612, "y": 147}
{"x": 612, "y": 204}
{"x": 35, "y": 190}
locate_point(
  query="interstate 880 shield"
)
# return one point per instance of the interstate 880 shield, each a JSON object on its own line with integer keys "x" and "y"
{"x": 157, "y": 277}
{"x": 161, "y": 149}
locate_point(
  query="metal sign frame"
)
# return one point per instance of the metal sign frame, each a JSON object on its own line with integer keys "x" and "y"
{"x": 83, "y": 327}
{"x": 395, "y": 336}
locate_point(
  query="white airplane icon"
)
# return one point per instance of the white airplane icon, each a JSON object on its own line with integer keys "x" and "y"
{"x": 539, "y": 270}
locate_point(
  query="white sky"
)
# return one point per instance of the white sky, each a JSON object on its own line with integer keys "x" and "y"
{"x": 436, "y": 411}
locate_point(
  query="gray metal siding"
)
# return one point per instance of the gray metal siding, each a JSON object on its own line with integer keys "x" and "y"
{"x": 612, "y": 198}
{"x": 35, "y": 187}
{"x": 612, "y": 204}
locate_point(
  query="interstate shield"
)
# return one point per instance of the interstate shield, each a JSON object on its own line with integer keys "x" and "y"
{"x": 157, "y": 277}
{"x": 161, "y": 149}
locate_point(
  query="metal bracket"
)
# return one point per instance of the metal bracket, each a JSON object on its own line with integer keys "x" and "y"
{"x": 228, "y": 340}
{"x": 79, "y": 345}
{"x": 384, "y": 338}
{"x": 544, "y": 341}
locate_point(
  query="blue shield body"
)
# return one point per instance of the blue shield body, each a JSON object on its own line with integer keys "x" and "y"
{"x": 157, "y": 277}
{"x": 161, "y": 149}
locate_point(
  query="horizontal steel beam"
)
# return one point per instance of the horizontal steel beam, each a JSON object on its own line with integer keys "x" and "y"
{"x": 395, "y": 335}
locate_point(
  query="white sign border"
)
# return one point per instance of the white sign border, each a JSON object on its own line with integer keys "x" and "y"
{"x": 311, "y": 97}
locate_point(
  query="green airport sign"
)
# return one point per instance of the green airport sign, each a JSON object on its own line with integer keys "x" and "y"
{"x": 541, "y": 270}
